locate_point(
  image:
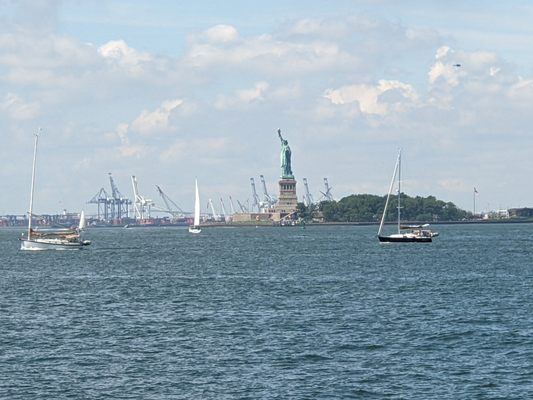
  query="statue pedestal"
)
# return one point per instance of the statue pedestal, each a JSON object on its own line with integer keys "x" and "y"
{"x": 287, "y": 200}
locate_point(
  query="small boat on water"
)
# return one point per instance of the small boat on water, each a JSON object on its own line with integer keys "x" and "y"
{"x": 50, "y": 239}
{"x": 405, "y": 233}
{"x": 195, "y": 227}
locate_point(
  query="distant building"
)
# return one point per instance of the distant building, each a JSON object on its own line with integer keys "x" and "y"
{"x": 525, "y": 212}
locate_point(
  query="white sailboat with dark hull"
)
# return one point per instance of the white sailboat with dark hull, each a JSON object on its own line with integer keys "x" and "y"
{"x": 195, "y": 227}
{"x": 405, "y": 233}
{"x": 50, "y": 239}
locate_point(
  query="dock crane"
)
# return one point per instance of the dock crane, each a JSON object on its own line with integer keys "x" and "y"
{"x": 216, "y": 217}
{"x": 118, "y": 205}
{"x": 327, "y": 193}
{"x": 223, "y": 208}
{"x": 141, "y": 204}
{"x": 308, "y": 199}
{"x": 268, "y": 199}
{"x": 111, "y": 207}
{"x": 231, "y": 206}
{"x": 244, "y": 210}
{"x": 101, "y": 199}
{"x": 171, "y": 207}
{"x": 255, "y": 197}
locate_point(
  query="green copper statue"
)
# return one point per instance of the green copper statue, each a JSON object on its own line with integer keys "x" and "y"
{"x": 286, "y": 170}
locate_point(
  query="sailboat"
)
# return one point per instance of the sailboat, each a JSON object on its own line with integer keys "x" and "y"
{"x": 195, "y": 227}
{"x": 405, "y": 233}
{"x": 50, "y": 239}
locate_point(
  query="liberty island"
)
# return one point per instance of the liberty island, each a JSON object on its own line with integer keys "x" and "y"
{"x": 285, "y": 210}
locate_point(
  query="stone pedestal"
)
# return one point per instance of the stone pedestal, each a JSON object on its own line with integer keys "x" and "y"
{"x": 287, "y": 199}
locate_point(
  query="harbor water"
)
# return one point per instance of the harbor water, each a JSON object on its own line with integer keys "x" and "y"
{"x": 324, "y": 312}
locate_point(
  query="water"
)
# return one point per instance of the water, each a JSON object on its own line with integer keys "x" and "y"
{"x": 269, "y": 313}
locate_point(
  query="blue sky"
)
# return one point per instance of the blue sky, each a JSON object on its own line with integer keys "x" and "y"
{"x": 169, "y": 91}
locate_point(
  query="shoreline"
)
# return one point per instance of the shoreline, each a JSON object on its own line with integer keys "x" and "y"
{"x": 313, "y": 224}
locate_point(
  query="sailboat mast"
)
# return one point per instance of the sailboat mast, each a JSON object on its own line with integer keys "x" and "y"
{"x": 32, "y": 183}
{"x": 196, "y": 205}
{"x": 399, "y": 187}
{"x": 388, "y": 196}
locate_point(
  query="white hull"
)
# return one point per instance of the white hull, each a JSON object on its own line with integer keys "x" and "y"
{"x": 193, "y": 229}
{"x": 52, "y": 244}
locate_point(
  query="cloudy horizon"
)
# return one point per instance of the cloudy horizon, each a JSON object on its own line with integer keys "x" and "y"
{"x": 170, "y": 92}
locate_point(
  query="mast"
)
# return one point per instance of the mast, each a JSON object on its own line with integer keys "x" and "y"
{"x": 399, "y": 186}
{"x": 32, "y": 182}
{"x": 388, "y": 195}
{"x": 196, "y": 205}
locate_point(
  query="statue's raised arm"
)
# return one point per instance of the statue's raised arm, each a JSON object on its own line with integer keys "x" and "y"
{"x": 279, "y": 134}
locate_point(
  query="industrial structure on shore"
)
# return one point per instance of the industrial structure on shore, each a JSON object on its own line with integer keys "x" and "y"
{"x": 113, "y": 208}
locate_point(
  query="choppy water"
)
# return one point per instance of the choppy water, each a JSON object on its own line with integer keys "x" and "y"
{"x": 270, "y": 313}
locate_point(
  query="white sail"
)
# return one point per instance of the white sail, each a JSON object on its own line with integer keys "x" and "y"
{"x": 195, "y": 228}
{"x": 83, "y": 223}
{"x": 32, "y": 182}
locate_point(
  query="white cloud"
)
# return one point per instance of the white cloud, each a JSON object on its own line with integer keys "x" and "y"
{"x": 118, "y": 52}
{"x": 16, "y": 108}
{"x": 221, "y": 34}
{"x": 444, "y": 72}
{"x": 522, "y": 91}
{"x": 152, "y": 122}
{"x": 266, "y": 54}
{"x": 370, "y": 98}
{"x": 126, "y": 148}
{"x": 243, "y": 97}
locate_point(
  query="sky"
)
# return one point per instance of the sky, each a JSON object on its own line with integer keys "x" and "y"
{"x": 172, "y": 91}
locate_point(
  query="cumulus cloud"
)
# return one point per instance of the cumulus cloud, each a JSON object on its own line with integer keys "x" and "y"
{"x": 126, "y": 148}
{"x": 221, "y": 34}
{"x": 443, "y": 69}
{"x": 16, "y": 108}
{"x": 124, "y": 56}
{"x": 152, "y": 122}
{"x": 386, "y": 96}
{"x": 243, "y": 97}
{"x": 222, "y": 49}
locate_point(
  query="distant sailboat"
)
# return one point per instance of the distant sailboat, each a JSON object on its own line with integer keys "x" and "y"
{"x": 195, "y": 227}
{"x": 408, "y": 233}
{"x": 50, "y": 239}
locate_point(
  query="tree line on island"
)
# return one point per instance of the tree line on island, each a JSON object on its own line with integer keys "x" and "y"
{"x": 369, "y": 208}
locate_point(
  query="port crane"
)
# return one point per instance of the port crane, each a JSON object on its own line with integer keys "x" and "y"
{"x": 223, "y": 208}
{"x": 141, "y": 204}
{"x": 269, "y": 200}
{"x": 210, "y": 205}
{"x": 119, "y": 205}
{"x": 101, "y": 199}
{"x": 308, "y": 199}
{"x": 232, "y": 207}
{"x": 244, "y": 210}
{"x": 326, "y": 194}
{"x": 171, "y": 207}
{"x": 255, "y": 197}
{"x": 111, "y": 207}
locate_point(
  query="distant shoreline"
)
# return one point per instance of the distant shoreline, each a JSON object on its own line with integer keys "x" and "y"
{"x": 317, "y": 224}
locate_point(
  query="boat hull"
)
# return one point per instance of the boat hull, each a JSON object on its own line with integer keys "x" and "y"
{"x": 404, "y": 239}
{"x": 52, "y": 244}
{"x": 194, "y": 229}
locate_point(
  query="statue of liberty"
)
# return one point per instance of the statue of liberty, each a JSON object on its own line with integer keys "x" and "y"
{"x": 286, "y": 170}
